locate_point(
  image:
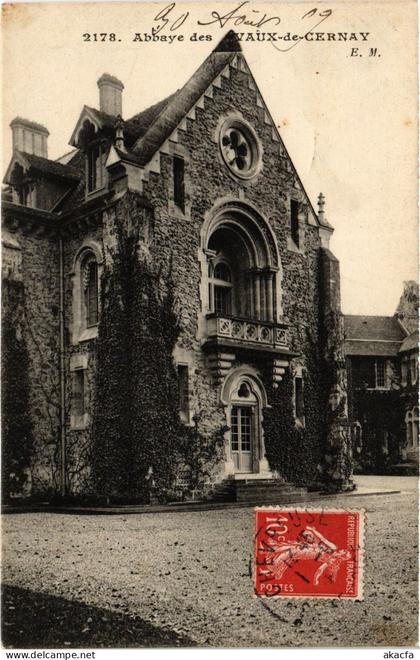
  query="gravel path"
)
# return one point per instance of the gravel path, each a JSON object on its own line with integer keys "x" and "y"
{"x": 189, "y": 572}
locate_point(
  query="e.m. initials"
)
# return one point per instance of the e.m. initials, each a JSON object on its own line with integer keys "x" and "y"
{"x": 373, "y": 52}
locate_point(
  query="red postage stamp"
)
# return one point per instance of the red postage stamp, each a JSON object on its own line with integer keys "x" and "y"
{"x": 308, "y": 553}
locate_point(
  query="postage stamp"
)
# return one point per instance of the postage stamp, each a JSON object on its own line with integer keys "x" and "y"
{"x": 308, "y": 553}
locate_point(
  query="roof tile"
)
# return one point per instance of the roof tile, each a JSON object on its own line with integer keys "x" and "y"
{"x": 373, "y": 327}
{"x": 52, "y": 167}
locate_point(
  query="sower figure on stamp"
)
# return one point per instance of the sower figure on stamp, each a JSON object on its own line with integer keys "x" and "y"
{"x": 312, "y": 546}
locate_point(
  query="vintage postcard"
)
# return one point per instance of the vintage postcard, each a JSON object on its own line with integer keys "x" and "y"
{"x": 210, "y": 325}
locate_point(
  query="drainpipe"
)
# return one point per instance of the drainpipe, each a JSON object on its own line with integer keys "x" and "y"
{"x": 62, "y": 377}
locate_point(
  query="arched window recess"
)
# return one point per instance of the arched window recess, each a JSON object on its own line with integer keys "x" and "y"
{"x": 89, "y": 274}
{"x": 243, "y": 281}
{"x": 86, "y": 280}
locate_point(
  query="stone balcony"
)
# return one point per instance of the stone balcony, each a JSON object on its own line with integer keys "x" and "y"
{"x": 228, "y": 336}
{"x": 245, "y": 333}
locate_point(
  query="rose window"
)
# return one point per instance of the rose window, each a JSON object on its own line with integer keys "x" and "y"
{"x": 240, "y": 148}
{"x": 236, "y": 150}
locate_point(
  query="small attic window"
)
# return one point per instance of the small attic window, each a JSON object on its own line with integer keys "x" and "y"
{"x": 23, "y": 189}
{"x": 26, "y": 194}
{"x": 179, "y": 182}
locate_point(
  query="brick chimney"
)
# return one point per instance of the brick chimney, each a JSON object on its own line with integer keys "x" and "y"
{"x": 110, "y": 95}
{"x": 29, "y": 137}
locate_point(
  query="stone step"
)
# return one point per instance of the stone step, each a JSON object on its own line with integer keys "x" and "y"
{"x": 281, "y": 488}
{"x": 257, "y": 491}
{"x": 271, "y": 498}
{"x": 268, "y": 491}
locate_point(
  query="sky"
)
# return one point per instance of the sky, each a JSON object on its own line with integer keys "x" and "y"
{"x": 348, "y": 121}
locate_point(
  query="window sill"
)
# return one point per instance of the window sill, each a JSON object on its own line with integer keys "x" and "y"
{"x": 95, "y": 193}
{"x": 177, "y": 211}
{"x": 292, "y": 247}
{"x": 378, "y": 389}
{"x": 79, "y": 422}
{"x": 185, "y": 419}
{"x": 88, "y": 334}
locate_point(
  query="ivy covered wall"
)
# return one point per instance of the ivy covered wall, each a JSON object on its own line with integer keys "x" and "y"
{"x": 139, "y": 445}
{"x": 295, "y": 451}
{"x": 17, "y": 427}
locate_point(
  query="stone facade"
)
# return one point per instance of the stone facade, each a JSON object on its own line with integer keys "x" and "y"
{"x": 241, "y": 204}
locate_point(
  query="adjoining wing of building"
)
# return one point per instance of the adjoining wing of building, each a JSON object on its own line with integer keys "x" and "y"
{"x": 205, "y": 182}
{"x": 382, "y": 365}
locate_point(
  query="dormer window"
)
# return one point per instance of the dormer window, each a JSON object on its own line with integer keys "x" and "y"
{"x": 26, "y": 194}
{"x": 96, "y": 167}
{"x": 24, "y": 191}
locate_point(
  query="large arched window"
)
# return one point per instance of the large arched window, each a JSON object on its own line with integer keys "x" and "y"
{"x": 243, "y": 279}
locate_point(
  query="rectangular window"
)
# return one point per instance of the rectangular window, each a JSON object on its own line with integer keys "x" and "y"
{"x": 179, "y": 184}
{"x": 183, "y": 392}
{"x": 299, "y": 402}
{"x": 294, "y": 221}
{"x": 380, "y": 369}
{"x": 96, "y": 168}
{"x": 78, "y": 393}
{"x": 26, "y": 195}
{"x": 222, "y": 300}
{"x": 92, "y": 172}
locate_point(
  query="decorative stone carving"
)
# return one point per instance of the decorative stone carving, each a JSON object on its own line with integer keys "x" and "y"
{"x": 259, "y": 332}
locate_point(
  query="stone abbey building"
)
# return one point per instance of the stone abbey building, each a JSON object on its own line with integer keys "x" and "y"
{"x": 204, "y": 182}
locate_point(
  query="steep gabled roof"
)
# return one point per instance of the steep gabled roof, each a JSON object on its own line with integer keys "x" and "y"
{"x": 142, "y": 121}
{"x": 180, "y": 104}
{"x": 44, "y": 165}
{"x": 52, "y": 167}
{"x": 158, "y": 121}
{"x": 372, "y": 335}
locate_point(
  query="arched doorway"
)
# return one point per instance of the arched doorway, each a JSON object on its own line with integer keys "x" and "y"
{"x": 245, "y": 398}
